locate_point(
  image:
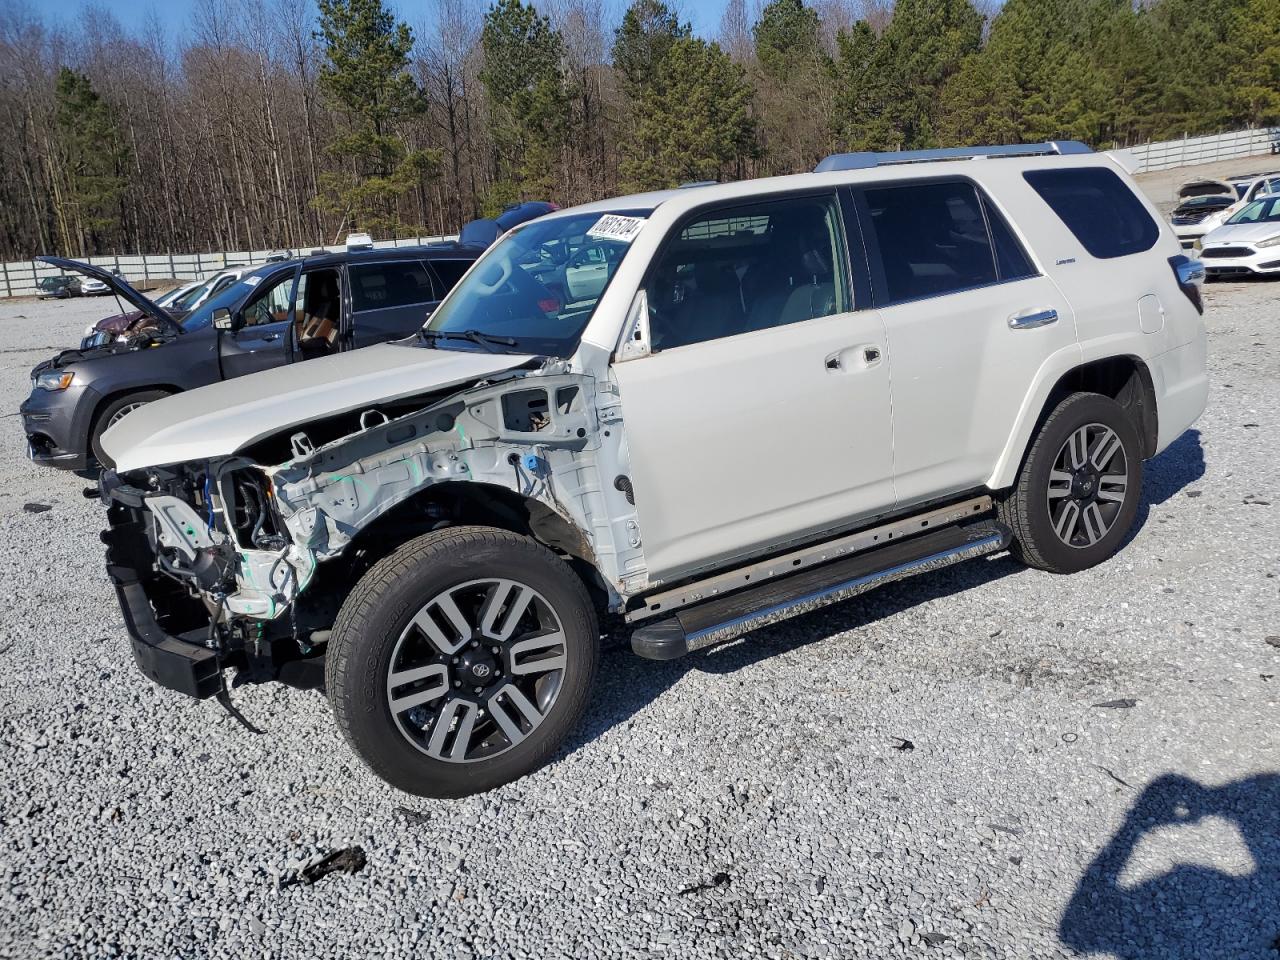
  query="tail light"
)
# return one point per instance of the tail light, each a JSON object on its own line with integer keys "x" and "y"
{"x": 1190, "y": 274}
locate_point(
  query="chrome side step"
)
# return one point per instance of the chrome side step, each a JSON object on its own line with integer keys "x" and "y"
{"x": 753, "y": 574}
{"x": 722, "y": 618}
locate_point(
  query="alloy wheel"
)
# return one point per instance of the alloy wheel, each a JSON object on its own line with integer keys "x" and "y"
{"x": 123, "y": 412}
{"x": 1087, "y": 485}
{"x": 476, "y": 670}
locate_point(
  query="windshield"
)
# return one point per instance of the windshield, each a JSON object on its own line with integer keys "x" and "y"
{"x": 1266, "y": 210}
{"x": 538, "y": 286}
{"x": 183, "y": 301}
{"x": 230, "y": 298}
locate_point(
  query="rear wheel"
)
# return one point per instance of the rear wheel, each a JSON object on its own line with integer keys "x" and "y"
{"x": 461, "y": 661}
{"x": 1077, "y": 493}
{"x": 113, "y": 413}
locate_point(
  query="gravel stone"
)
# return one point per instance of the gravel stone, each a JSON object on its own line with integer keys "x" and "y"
{"x": 139, "y": 823}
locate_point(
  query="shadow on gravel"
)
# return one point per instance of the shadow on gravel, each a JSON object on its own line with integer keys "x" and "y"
{"x": 1166, "y": 475}
{"x": 627, "y": 683}
{"x": 1188, "y": 911}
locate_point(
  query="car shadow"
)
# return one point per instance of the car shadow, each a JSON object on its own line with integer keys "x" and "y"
{"x": 628, "y": 683}
{"x": 1166, "y": 475}
{"x": 1187, "y": 910}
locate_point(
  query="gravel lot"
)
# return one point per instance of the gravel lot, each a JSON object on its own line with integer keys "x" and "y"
{"x": 1094, "y": 762}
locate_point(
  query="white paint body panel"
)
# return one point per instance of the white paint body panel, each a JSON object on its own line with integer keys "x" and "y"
{"x": 746, "y": 441}
{"x": 218, "y": 420}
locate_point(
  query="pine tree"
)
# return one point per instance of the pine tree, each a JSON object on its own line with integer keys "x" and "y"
{"x": 524, "y": 82}
{"x": 91, "y": 159}
{"x": 642, "y": 41}
{"x": 695, "y": 121}
{"x": 794, "y": 94}
{"x": 1254, "y": 73}
{"x": 366, "y": 79}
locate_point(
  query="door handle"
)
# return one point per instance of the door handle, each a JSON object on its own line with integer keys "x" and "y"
{"x": 1035, "y": 317}
{"x": 853, "y": 359}
{"x": 271, "y": 336}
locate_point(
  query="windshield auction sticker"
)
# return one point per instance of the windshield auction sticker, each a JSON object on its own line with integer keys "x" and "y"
{"x": 614, "y": 227}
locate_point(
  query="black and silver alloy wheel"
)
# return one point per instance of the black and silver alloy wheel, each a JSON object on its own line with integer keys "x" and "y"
{"x": 476, "y": 670}
{"x": 1076, "y": 496}
{"x": 123, "y": 412}
{"x": 1087, "y": 485}
{"x": 461, "y": 660}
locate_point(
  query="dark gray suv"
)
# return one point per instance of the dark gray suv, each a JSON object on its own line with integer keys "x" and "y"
{"x": 281, "y": 313}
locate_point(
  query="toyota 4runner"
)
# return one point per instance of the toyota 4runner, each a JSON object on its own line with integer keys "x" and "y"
{"x": 696, "y": 410}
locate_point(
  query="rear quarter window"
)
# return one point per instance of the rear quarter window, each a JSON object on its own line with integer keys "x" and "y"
{"x": 1098, "y": 208}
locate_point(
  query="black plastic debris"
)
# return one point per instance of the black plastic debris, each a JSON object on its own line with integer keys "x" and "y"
{"x": 902, "y": 744}
{"x": 415, "y": 818}
{"x": 721, "y": 879}
{"x": 1274, "y": 641}
{"x": 36, "y": 507}
{"x": 1124, "y": 703}
{"x": 347, "y": 860}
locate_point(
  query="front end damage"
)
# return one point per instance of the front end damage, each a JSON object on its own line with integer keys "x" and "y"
{"x": 244, "y": 561}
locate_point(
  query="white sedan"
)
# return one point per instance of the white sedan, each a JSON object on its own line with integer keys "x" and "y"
{"x": 1248, "y": 243}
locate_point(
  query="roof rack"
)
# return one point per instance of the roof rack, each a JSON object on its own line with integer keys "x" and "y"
{"x": 867, "y": 160}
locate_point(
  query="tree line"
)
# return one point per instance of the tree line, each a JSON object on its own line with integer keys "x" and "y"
{"x": 276, "y": 123}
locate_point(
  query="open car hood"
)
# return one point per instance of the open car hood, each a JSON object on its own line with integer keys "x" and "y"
{"x": 118, "y": 286}
{"x": 219, "y": 420}
{"x": 1205, "y": 187}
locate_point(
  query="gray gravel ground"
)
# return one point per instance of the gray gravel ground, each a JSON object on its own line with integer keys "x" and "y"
{"x": 747, "y": 802}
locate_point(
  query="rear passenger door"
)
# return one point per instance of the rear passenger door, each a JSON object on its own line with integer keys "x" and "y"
{"x": 969, "y": 321}
{"x": 390, "y": 299}
{"x": 762, "y": 414}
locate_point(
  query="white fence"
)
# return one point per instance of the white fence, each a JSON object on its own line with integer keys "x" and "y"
{"x": 1192, "y": 150}
{"x": 19, "y": 279}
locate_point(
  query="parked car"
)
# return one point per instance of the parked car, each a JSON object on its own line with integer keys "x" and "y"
{"x": 1249, "y": 190}
{"x": 482, "y": 233}
{"x": 782, "y": 393}
{"x": 96, "y": 286}
{"x": 1248, "y": 244}
{"x": 58, "y": 287}
{"x": 1198, "y": 199}
{"x": 177, "y": 303}
{"x": 273, "y": 315}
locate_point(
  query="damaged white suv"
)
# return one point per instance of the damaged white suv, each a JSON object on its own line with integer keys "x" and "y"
{"x": 695, "y": 409}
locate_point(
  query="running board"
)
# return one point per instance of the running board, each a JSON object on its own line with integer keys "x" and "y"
{"x": 722, "y": 618}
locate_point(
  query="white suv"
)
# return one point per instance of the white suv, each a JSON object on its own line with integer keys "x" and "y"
{"x": 780, "y": 393}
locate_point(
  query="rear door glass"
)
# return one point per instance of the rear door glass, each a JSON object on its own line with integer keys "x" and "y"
{"x": 381, "y": 286}
{"x": 1098, "y": 208}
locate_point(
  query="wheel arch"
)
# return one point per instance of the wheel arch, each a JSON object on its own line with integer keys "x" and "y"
{"x": 1124, "y": 378}
{"x": 476, "y": 503}
{"x": 109, "y": 398}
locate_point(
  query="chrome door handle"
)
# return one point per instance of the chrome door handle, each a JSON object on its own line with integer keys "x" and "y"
{"x": 1029, "y": 319}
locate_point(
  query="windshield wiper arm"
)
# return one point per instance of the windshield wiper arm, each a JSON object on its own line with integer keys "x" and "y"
{"x": 486, "y": 340}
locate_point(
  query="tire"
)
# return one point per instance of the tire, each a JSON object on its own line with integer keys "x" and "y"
{"x": 114, "y": 411}
{"x": 408, "y": 732}
{"x": 1066, "y": 514}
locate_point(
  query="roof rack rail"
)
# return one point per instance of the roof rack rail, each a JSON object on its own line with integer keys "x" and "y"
{"x": 867, "y": 160}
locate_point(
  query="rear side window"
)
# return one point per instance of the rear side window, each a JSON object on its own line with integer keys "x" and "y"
{"x": 450, "y": 272}
{"x": 1097, "y": 206}
{"x": 380, "y": 286}
{"x": 938, "y": 238}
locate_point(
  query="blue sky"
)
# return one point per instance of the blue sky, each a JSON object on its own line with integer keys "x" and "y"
{"x": 173, "y": 14}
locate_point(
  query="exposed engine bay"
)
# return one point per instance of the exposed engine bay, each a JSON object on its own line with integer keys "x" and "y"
{"x": 255, "y": 552}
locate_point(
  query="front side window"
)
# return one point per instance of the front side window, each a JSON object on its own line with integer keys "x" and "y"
{"x": 271, "y": 304}
{"x": 1098, "y": 208}
{"x": 748, "y": 268}
{"x": 380, "y": 286}
{"x": 536, "y": 289}
{"x": 938, "y": 238}
{"x": 450, "y": 272}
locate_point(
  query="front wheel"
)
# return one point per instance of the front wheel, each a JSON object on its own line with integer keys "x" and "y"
{"x": 113, "y": 413}
{"x": 1077, "y": 493}
{"x": 462, "y": 661}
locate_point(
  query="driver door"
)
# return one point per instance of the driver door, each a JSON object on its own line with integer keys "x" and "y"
{"x": 762, "y": 415}
{"x": 265, "y": 329}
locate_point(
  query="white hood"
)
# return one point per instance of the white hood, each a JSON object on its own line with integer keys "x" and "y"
{"x": 218, "y": 420}
{"x": 1242, "y": 232}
